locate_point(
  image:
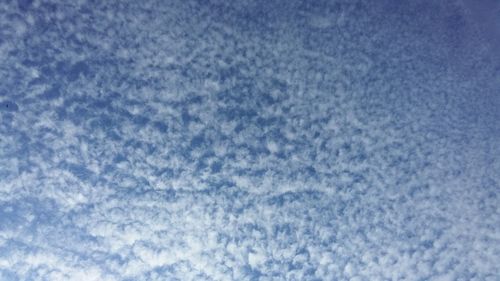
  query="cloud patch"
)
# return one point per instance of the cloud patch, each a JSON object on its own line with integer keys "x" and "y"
{"x": 244, "y": 141}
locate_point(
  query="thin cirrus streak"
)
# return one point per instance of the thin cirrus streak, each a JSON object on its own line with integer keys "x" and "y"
{"x": 248, "y": 140}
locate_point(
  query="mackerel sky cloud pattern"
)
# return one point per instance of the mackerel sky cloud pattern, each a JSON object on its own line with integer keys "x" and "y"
{"x": 249, "y": 140}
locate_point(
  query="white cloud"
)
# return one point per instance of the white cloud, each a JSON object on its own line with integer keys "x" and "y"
{"x": 198, "y": 141}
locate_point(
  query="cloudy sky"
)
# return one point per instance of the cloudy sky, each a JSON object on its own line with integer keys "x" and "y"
{"x": 249, "y": 140}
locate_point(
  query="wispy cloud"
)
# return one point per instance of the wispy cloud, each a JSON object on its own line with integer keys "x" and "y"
{"x": 244, "y": 141}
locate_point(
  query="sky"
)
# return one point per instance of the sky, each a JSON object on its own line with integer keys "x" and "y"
{"x": 249, "y": 140}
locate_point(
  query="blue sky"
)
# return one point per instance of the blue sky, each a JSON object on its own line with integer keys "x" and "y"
{"x": 249, "y": 140}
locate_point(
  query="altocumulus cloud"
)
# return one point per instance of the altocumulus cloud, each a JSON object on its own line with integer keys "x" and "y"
{"x": 248, "y": 140}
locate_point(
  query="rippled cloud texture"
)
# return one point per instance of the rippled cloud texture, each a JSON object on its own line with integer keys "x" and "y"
{"x": 249, "y": 140}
